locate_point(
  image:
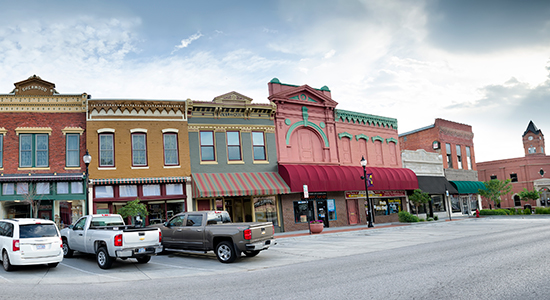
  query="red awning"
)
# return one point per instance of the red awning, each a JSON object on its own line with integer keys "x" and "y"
{"x": 323, "y": 178}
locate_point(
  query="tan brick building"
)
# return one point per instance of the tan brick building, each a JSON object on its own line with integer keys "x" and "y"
{"x": 139, "y": 149}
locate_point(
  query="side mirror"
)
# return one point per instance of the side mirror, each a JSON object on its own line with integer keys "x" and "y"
{"x": 71, "y": 226}
{"x": 166, "y": 224}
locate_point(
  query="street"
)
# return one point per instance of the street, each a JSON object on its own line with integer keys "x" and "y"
{"x": 488, "y": 258}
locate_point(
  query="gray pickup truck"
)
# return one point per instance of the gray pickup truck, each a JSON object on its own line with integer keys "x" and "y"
{"x": 213, "y": 231}
{"x": 106, "y": 236}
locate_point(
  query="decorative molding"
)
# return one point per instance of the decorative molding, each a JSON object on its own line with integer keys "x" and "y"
{"x": 345, "y": 134}
{"x": 361, "y": 136}
{"x": 3, "y": 131}
{"x": 230, "y": 127}
{"x": 173, "y": 130}
{"x": 377, "y": 138}
{"x": 78, "y": 130}
{"x": 306, "y": 123}
{"x": 20, "y": 130}
{"x": 134, "y": 130}
{"x": 355, "y": 117}
{"x": 106, "y": 130}
{"x": 388, "y": 140}
{"x": 303, "y": 97}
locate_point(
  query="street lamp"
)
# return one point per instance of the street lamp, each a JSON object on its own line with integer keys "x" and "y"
{"x": 369, "y": 205}
{"x": 87, "y": 158}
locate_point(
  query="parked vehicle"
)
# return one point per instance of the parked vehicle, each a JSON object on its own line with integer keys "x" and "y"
{"x": 106, "y": 236}
{"x": 213, "y": 231}
{"x": 29, "y": 242}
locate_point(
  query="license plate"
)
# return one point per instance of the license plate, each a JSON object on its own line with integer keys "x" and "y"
{"x": 40, "y": 247}
{"x": 140, "y": 250}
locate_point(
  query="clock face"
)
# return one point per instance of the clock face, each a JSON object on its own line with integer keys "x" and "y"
{"x": 530, "y": 138}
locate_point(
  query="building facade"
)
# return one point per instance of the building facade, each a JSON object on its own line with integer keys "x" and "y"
{"x": 42, "y": 140}
{"x": 139, "y": 150}
{"x": 454, "y": 142}
{"x": 319, "y": 151}
{"x": 529, "y": 172}
{"x": 234, "y": 159}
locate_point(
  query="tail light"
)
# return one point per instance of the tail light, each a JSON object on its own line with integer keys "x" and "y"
{"x": 247, "y": 234}
{"x": 118, "y": 240}
{"x": 160, "y": 236}
{"x": 61, "y": 245}
{"x": 15, "y": 245}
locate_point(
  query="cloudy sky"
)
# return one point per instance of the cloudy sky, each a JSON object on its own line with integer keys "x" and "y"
{"x": 482, "y": 63}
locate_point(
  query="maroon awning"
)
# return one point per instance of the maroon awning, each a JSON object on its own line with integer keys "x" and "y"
{"x": 324, "y": 178}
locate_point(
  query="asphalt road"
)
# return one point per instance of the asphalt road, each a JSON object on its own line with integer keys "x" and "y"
{"x": 467, "y": 259}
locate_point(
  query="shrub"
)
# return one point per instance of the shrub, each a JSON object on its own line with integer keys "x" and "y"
{"x": 512, "y": 211}
{"x": 422, "y": 220}
{"x": 527, "y": 211}
{"x": 488, "y": 212}
{"x": 430, "y": 219}
{"x": 406, "y": 217}
{"x": 542, "y": 210}
{"x": 436, "y": 218}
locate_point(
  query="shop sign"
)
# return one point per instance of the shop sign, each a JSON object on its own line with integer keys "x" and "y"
{"x": 316, "y": 196}
{"x": 361, "y": 194}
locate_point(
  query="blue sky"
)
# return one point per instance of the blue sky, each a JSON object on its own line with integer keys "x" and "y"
{"x": 482, "y": 63}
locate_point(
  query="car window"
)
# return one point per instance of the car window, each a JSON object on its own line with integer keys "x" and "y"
{"x": 107, "y": 221}
{"x": 79, "y": 225}
{"x": 3, "y": 226}
{"x": 176, "y": 221}
{"x": 37, "y": 231}
{"x": 9, "y": 230}
{"x": 218, "y": 217}
{"x": 194, "y": 220}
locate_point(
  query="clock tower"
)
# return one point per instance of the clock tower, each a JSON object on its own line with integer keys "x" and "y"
{"x": 533, "y": 140}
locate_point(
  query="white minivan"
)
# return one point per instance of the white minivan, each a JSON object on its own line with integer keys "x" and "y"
{"x": 29, "y": 242}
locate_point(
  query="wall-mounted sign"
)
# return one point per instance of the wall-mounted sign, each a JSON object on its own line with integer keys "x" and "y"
{"x": 436, "y": 145}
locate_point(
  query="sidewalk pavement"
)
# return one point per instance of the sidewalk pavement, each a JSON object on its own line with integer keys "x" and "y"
{"x": 328, "y": 230}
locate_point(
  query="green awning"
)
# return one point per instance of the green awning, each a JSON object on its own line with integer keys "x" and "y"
{"x": 107, "y": 181}
{"x": 468, "y": 187}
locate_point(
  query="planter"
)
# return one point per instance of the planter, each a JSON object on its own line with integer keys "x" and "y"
{"x": 316, "y": 227}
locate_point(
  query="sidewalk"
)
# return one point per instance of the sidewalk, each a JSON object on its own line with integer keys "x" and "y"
{"x": 328, "y": 230}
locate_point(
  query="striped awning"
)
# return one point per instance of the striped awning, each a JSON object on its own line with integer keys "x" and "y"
{"x": 238, "y": 184}
{"x": 109, "y": 181}
{"x": 41, "y": 177}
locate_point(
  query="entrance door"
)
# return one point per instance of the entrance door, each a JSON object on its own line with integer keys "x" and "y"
{"x": 322, "y": 212}
{"x": 353, "y": 215}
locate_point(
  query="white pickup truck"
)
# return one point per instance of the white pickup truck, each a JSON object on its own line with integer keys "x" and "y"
{"x": 106, "y": 236}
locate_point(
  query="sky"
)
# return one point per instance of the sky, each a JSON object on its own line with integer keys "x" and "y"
{"x": 481, "y": 63}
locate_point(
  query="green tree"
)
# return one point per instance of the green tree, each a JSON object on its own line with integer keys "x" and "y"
{"x": 494, "y": 189}
{"x": 526, "y": 195}
{"x": 133, "y": 209}
{"x": 418, "y": 198}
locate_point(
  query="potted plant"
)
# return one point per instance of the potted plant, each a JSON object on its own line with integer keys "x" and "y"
{"x": 316, "y": 226}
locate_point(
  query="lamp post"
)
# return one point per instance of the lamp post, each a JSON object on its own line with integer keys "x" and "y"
{"x": 87, "y": 158}
{"x": 369, "y": 205}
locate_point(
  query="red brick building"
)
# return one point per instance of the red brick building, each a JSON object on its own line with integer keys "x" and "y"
{"x": 454, "y": 142}
{"x": 528, "y": 172}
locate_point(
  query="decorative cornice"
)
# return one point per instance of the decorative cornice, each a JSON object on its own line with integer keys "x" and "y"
{"x": 43, "y": 103}
{"x": 20, "y": 130}
{"x": 72, "y": 130}
{"x": 388, "y": 140}
{"x": 345, "y": 134}
{"x": 355, "y": 117}
{"x": 135, "y": 107}
{"x": 377, "y": 138}
{"x": 230, "y": 127}
{"x": 361, "y": 136}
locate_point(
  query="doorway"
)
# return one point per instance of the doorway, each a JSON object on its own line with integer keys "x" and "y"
{"x": 240, "y": 209}
{"x": 322, "y": 211}
{"x": 353, "y": 209}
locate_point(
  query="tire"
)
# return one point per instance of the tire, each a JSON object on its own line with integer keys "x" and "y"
{"x": 67, "y": 252}
{"x": 144, "y": 259}
{"x": 103, "y": 259}
{"x": 6, "y": 262}
{"x": 251, "y": 253}
{"x": 52, "y": 265}
{"x": 226, "y": 252}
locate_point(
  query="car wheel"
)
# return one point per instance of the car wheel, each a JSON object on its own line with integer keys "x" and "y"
{"x": 144, "y": 259}
{"x": 251, "y": 253}
{"x": 52, "y": 265}
{"x": 6, "y": 261}
{"x": 103, "y": 259}
{"x": 67, "y": 252}
{"x": 226, "y": 252}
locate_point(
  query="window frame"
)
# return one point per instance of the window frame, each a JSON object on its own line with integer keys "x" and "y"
{"x": 134, "y": 150}
{"x": 207, "y": 146}
{"x": 165, "y": 149}
{"x": 233, "y": 146}
{"x": 469, "y": 157}
{"x": 33, "y": 150}
{"x": 255, "y": 146}
{"x": 101, "y": 151}
{"x": 449, "y": 154}
{"x": 1, "y": 150}
{"x": 67, "y": 150}
{"x": 459, "y": 162}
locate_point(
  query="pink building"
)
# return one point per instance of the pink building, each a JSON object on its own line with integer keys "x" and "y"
{"x": 319, "y": 151}
{"x": 528, "y": 172}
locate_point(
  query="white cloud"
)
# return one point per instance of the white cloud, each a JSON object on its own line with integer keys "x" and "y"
{"x": 186, "y": 42}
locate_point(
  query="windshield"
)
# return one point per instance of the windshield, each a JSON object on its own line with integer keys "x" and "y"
{"x": 37, "y": 231}
{"x": 107, "y": 221}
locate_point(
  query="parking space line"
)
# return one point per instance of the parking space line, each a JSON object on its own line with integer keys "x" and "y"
{"x": 84, "y": 271}
{"x": 6, "y": 279}
{"x": 180, "y": 267}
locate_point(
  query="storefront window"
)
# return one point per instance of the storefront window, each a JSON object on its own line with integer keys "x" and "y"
{"x": 438, "y": 203}
{"x": 42, "y": 188}
{"x": 104, "y": 191}
{"x": 102, "y": 208}
{"x": 22, "y": 188}
{"x": 174, "y": 189}
{"x": 303, "y": 211}
{"x": 455, "y": 203}
{"x": 265, "y": 210}
{"x": 151, "y": 190}
{"x": 173, "y": 208}
{"x": 62, "y": 187}
{"x": 331, "y": 209}
{"x": 156, "y": 212}
{"x": 69, "y": 211}
{"x": 473, "y": 202}
{"x": 77, "y": 187}
{"x": 8, "y": 188}
{"x": 127, "y": 190}
{"x": 383, "y": 207}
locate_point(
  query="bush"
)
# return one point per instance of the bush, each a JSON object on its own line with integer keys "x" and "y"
{"x": 488, "y": 212}
{"x": 430, "y": 219}
{"x": 406, "y": 217}
{"x": 527, "y": 211}
{"x": 436, "y": 217}
{"x": 512, "y": 211}
{"x": 542, "y": 211}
